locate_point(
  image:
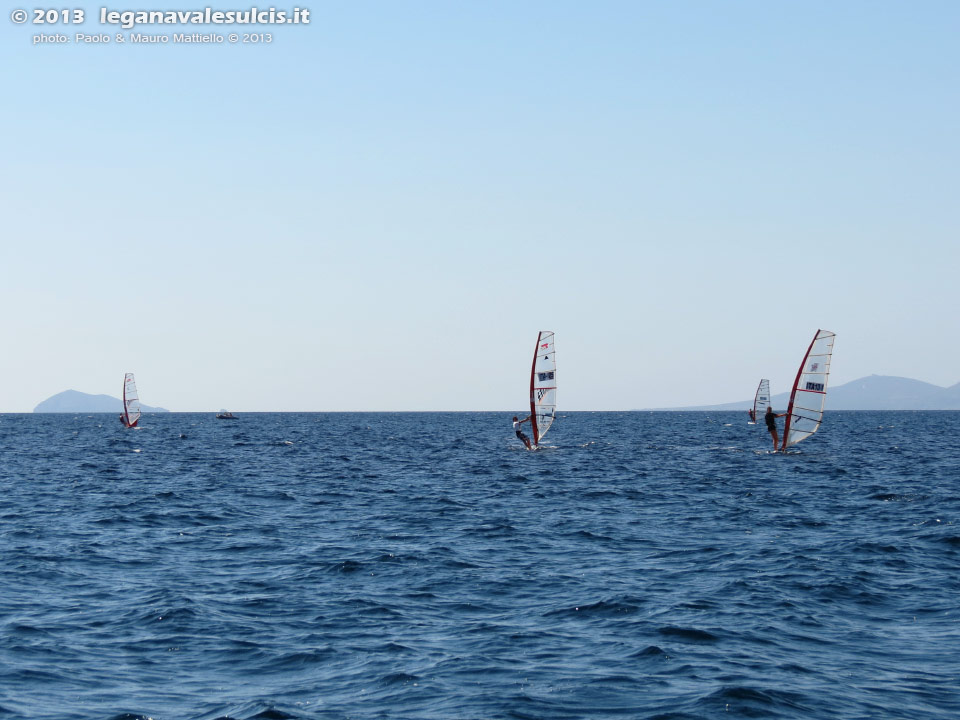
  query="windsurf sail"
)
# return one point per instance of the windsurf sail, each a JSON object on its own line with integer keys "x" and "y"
{"x": 761, "y": 401}
{"x": 131, "y": 403}
{"x": 543, "y": 386}
{"x": 805, "y": 410}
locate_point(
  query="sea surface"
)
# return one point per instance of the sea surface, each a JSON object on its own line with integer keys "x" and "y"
{"x": 424, "y": 565}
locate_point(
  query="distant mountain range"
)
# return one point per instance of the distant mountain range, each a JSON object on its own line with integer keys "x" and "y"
{"x": 876, "y": 392}
{"x": 72, "y": 401}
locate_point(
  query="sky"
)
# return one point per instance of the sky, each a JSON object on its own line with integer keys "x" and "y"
{"x": 380, "y": 209}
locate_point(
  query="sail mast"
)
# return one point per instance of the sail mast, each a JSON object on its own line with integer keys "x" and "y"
{"x": 762, "y": 396}
{"x": 543, "y": 385}
{"x": 533, "y": 401}
{"x": 131, "y": 401}
{"x": 793, "y": 395}
{"x": 805, "y": 409}
{"x": 126, "y": 415}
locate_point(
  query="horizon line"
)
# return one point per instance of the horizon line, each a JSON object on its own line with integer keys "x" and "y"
{"x": 504, "y": 412}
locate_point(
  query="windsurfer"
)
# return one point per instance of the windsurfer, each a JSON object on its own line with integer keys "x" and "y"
{"x": 752, "y": 415}
{"x": 771, "y": 420}
{"x": 517, "y": 429}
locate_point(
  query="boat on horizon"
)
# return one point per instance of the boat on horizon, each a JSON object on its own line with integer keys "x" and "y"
{"x": 131, "y": 402}
{"x": 761, "y": 401}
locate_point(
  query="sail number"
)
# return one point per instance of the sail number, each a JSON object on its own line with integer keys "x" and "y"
{"x": 545, "y": 376}
{"x": 818, "y": 387}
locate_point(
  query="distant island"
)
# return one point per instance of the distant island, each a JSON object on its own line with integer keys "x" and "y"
{"x": 72, "y": 401}
{"x": 876, "y": 392}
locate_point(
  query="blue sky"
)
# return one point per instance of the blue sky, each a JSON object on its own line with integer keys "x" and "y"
{"x": 379, "y": 210}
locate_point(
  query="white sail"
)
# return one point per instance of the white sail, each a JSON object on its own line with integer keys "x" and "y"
{"x": 131, "y": 403}
{"x": 761, "y": 400}
{"x": 805, "y": 410}
{"x": 543, "y": 386}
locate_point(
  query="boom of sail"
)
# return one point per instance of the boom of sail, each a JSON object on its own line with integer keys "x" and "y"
{"x": 543, "y": 386}
{"x": 131, "y": 403}
{"x": 805, "y": 410}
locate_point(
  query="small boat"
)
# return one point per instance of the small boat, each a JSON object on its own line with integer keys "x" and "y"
{"x": 131, "y": 402}
{"x": 805, "y": 411}
{"x": 543, "y": 386}
{"x": 226, "y": 415}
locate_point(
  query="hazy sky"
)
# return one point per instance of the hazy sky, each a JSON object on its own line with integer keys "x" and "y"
{"x": 379, "y": 210}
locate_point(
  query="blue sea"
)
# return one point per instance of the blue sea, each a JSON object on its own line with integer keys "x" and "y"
{"x": 424, "y": 565}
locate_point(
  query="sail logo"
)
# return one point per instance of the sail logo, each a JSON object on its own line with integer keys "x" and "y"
{"x": 814, "y": 366}
{"x": 544, "y": 346}
{"x": 545, "y": 376}
{"x": 816, "y": 387}
{"x": 540, "y": 393}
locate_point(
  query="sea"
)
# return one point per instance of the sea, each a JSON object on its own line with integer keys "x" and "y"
{"x": 427, "y": 566}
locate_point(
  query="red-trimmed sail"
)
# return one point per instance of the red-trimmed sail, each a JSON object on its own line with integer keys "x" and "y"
{"x": 805, "y": 411}
{"x": 543, "y": 386}
{"x": 131, "y": 402}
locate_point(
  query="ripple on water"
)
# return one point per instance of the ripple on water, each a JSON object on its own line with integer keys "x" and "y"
{"x": 424, "y": 566}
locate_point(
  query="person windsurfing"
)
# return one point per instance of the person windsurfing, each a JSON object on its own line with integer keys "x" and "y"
{"x": 752, "y": 415}
{"x": 517, "y": 429}
{"x": 771, "y": 420}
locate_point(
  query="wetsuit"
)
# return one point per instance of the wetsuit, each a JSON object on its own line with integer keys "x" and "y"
{"x": 771, "y": 419}
{"x": 524, "y": 438}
